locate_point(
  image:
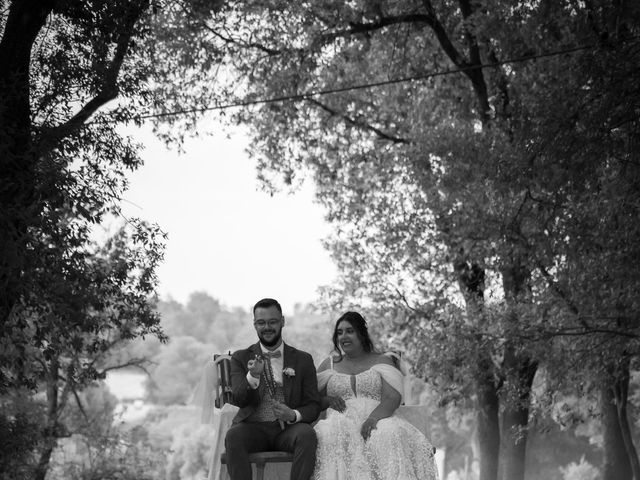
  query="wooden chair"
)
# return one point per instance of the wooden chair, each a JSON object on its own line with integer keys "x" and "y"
{"x": 223, "y": 388}
{"x": 223, "y": 395}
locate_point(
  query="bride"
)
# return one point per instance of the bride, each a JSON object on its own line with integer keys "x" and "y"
{"x": 361, "y": 439}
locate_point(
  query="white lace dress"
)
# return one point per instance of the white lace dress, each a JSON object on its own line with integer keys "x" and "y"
{"x": 396, "y": 450}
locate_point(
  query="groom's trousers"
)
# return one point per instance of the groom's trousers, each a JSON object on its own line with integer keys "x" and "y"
{"x": 248, "y": 437}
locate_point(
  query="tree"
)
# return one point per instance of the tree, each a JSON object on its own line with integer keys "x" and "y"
{"x": 36, "y": 110}
{"x": 102, "y": 447}
{"x": 435, "y": 182}
{"x": 65, "y": 301}
{"x": 593, "y": 187}
{"x": 64, "y": 63}
{"x": 178, "y": 368}
{"x": 20, "y": 427}
{"x": 310, "y": 329}
{"x": 96, "y": 299}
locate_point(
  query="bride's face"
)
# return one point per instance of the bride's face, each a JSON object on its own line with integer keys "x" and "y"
{"x": 348, "y": 338}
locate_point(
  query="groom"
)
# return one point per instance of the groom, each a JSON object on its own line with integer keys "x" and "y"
{"x": 276, "y": 388}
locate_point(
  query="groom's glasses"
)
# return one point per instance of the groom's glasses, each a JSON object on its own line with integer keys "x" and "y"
{"x": 263, "y": 323}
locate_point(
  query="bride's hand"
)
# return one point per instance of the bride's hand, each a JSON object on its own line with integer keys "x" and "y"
{"x": 337, "y": 403}
{"x": 368, "y": 426}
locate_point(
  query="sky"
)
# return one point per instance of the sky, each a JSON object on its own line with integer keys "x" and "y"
{"x": 226, "y": 236}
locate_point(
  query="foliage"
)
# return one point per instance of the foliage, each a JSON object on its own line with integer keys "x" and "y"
{"x": 196, "y": 330}
{"x": 179, "y": 367}
{"x": 413, "y": 173}
{"x": 101, "y": 448}
{"x": 483, "y": 215}
{"x": 67, "y": 300}
{"x": 72, "y": 71}
{"x": 190, "y": 452}
{"x": 21, "y": 419}
{"x": 49, "y": 154}
{"x": 468, "y": 206}
{"x": 92, "y": 301}
{"x": 176, "y": 429}
{"x": 310, "y": 329}
{"x": 582, "y": 470}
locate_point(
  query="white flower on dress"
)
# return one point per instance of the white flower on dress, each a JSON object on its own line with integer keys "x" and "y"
{"x": 289, "y": 372}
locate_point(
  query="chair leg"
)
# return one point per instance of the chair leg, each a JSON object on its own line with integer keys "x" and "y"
{"x": 260, "y": 471}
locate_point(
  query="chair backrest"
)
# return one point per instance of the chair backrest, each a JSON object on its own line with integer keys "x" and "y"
{"x": 396, "y": 357}
{"x": 222, "y": 362}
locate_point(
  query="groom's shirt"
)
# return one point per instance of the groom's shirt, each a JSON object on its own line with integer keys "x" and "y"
{"x": 277, "y": 365}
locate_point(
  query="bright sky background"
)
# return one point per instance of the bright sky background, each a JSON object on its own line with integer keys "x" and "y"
{"x": 226, "y": 236}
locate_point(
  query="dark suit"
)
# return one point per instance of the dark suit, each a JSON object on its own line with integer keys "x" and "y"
{"x": 300, "y": 393}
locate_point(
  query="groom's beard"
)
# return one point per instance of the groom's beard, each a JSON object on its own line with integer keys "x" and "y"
{"x": 270, "y": 343}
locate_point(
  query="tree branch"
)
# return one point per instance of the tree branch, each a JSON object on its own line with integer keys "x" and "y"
{"x": 359, "y": 124}
{"x": 503, "y": 87}
{"x": 138, "y": 362}
{"x": 109, "y": 89}
{"x": 445, "y": 42}
{"x": 476, "y": 75}
{"x": 404, "y": 300}
{"x": 559, "y": 291}
{"x": 80, "y": 406}
{"x": 381, "y": 23}
{"x": 428, "y": 19}
{"x": 232, "y": 41}
{"x": 577, "y": 332}
{"x": 472, "y": 42}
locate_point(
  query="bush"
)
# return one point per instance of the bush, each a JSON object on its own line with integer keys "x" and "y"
{"x": 580, "y": 471}
{"x": 20, "y": 436}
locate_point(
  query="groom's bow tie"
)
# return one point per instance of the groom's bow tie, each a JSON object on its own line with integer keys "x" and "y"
{"x": 276, "y": 354}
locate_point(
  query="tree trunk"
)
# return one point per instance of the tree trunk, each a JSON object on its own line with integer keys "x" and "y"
{"x": 471, "y": 282}
{"x": 519, "y": 370}
{"x": 488, "y": 425}
{"x": 515, "y": 418}
{"x": 17, "y": 159}
{"x": 51, "y": 429}
{"x": 615, "y": 465}
{"x": 621, "y": 394}
{"x": 45, "y": 458}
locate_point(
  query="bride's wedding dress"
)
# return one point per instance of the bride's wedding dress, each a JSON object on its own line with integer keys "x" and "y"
{"x": 396, "y": 450}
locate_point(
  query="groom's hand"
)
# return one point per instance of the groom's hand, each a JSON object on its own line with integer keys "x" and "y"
{"x": 256, "y": 367}
{"x": 284, "y": 413}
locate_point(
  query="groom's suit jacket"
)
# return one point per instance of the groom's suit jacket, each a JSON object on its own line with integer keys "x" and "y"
{"x": 300, "y": 389}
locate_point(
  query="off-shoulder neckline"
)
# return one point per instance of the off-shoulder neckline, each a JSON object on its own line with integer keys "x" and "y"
{"x": 359, "y": 373}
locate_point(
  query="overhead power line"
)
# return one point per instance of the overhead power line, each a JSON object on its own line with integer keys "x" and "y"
{"x": 315, "y": 93}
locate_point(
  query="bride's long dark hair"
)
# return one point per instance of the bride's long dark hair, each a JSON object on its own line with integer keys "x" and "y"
{"x": 359, "y": 324}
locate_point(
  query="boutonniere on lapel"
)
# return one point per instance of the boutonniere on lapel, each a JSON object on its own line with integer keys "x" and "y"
{"x": 289, "y": 372}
